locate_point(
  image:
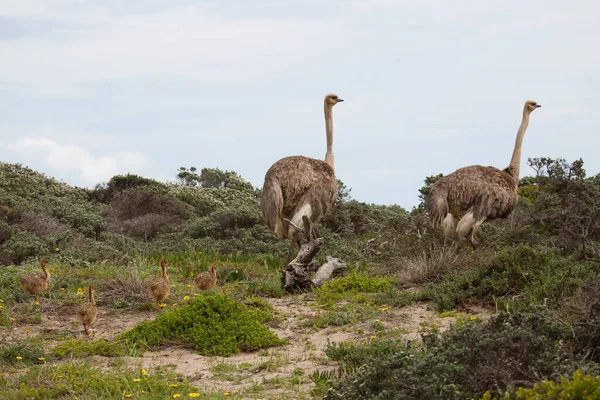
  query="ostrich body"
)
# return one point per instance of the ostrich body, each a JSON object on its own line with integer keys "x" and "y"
{"x": 296, "y": 186}
{"x": 87, "y": 312}
{"x": 159, "y": 289}
{"x": 206, "y": 280}
{"x": 36, "y": 283}
{"x": 462, "y": 201}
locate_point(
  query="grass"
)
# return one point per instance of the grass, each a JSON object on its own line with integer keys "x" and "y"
{"x": 85, "y": 381}
{"x": 343, "y": 315}
{"x": 79, "y": 348}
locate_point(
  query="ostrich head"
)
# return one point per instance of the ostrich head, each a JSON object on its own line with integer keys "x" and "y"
{"x": 213, "y": 269}
{"x": 332, "y": 99}
{"x": 531, "y": 105}
{"x": 164, "y": 263}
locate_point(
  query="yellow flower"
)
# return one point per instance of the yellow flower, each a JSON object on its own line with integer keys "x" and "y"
{"x": 62, "y": 288}
{"x": 186, "y": 298}
{"x": 37, "y": 303}
{"x": 19, "y": 358}
{"x": 57, "y": 249}
{"x": 1, "y": 301}
{"x": 226, "y": 394}
{"x": 373, "y": 336}
{"x": 143, "y": 391}
{"x": 175, "y": 304}
{"x": 144, "y": 372}
{"x": 194, "y": 394}
{"x": 136, "y": 379}
{"x": 473, "y": 318}
{"x": 41, "y": 359}
{"x": 173, "y": 385}
{"x": 199, "y": 252}
{"x": 162, "y": 305}
{"x": 1, "y": 307}
{"x": 129, "y": 395}
{"x": 26, "y": 330}
{"x": 11, "y": 319}
{"x": 60, "y": 376}
{"x": 176, "y": 395}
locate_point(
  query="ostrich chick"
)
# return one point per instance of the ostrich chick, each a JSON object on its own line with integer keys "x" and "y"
{"x": 87, "y": 312}
{"x": 206, "y": 280}
{"x": 36, "y": 283}
{"x": 159, "y": 289}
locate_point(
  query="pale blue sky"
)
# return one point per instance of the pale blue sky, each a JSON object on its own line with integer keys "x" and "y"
{"x": 89, "y": 89}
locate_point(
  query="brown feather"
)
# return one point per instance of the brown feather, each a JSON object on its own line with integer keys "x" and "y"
{"x": 159, "y": 289}
{"x": 87, "y": 312}
{"x": 206, "y": 280}
{"x": 485, "y": 192}
{"x": 295, "y": 182}
{"x": 36, "y": 283}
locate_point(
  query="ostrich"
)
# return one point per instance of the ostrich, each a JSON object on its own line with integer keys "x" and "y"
{"x": 463, "y": 200}
{"x": 296, "y": 186}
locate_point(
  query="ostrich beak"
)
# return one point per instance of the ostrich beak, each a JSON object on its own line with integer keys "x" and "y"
{"x": 340, "y": 100}
{"x": 538, "y": 105}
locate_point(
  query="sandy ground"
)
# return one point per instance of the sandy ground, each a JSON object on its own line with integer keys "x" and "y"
{"x": 241, "y": 371}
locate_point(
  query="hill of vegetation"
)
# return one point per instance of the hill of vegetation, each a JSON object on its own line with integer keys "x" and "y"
{"x": 537, "y": 272}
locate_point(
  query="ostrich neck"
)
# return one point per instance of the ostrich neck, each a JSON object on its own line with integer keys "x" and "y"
{"x": 46, "y": 272}
{"x": 92, "y": 297}
{"x": 515, "y": 163}
{"x": 329, "y": 130}
{"x": 165, "y": 274}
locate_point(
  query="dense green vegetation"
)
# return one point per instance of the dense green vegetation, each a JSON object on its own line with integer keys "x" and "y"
{"x": 537, "y": 272}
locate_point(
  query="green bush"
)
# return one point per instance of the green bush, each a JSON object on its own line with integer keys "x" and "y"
{"x": 466, "y": 361}
{"x": 23, "y": 245}
{"x": 352, "y": 284}
{"x": 211, "y": 324}
{"x": 519, "y": 277}
{"x": 578, "y": 387}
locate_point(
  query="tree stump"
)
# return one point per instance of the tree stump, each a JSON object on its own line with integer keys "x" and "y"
{"x": 296, "y": 275}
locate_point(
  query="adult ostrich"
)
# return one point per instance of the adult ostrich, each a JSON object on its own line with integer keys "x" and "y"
{"x": 297, "y": 185}
{"x": 462, "y": 201}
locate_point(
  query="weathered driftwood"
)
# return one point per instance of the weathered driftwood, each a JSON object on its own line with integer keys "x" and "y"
{"x": 296, "y": 276}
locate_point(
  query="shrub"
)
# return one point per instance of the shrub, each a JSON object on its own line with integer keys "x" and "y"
{"x": 211, "y": 324}
{"x": 83, "y": 348}
{"x": 579, "y": 386}
{"x": 519, "y": 276}
{"x": 351, "y": 284}
{"x": 466, "y": 361}
{"x": 23, "y": 245}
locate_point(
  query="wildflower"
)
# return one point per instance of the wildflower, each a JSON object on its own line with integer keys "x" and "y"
{"x": 194, "y": 394}
{"x": 57, "y": 249}
{"x": 226, "y": 394}
{"x": 188, "y": 285}
{"x": 175, "y": 304}
{"x": 186, "y": 298}
{"x": 1, "y": 301}
{"x": 473, "y": 318}
{"x": 176, "y": 395}
{"x": 80, "y": 291}
{"x": 26, "y": 330}
{"x": 62, "y": 288}
{"x": 136, "y": 379}
{"x": 373, "y": 336}
{"x": 41, "y": 359}
{"x": 19, "y": 358}
{"x": 1, "y": 307}
{"x": 11, "y": 319}
{"x": 144, "y": 372}
{"x": 37, "y": 303}
{"x": 162, "y": 305}
{"x": 129, "y": 395}
{"x": 173, "y": 385}
{"x": 143, "y": 391}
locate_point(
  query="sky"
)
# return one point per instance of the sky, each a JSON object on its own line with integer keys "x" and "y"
{"x": 90, "y": 89}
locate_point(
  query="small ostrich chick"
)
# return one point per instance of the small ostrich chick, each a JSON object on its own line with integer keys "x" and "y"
{"x": 87, "y": 312}
{"x": 206, "y": 280}
{"x": 159, "y": 289}
{"x": 36, "y": 283}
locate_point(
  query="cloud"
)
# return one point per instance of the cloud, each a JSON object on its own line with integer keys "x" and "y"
{"x": 70, "y": 158}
